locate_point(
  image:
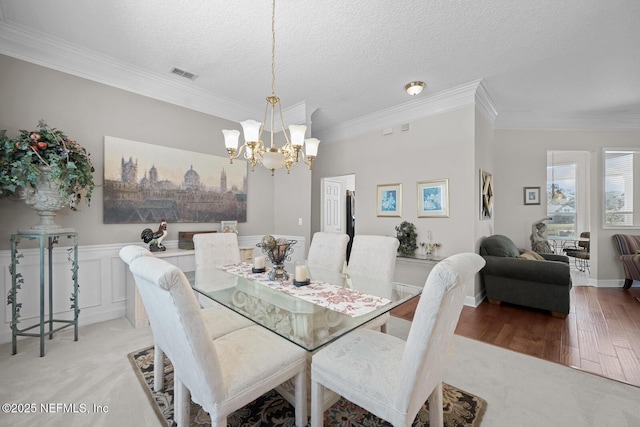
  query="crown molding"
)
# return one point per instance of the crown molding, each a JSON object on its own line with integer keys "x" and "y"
{"x": 34, "y": 47}
{"x": 438, "y": 103}
{"x": 485, "y": 103}
{"x": 560, "y": 121}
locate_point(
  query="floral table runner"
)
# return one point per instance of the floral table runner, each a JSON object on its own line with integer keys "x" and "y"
{"x": 334, "y": 297}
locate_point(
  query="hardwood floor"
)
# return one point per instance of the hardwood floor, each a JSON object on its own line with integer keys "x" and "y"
{"x": 600, "y": 335}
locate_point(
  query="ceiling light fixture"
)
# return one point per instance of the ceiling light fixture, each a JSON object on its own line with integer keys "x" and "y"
{"x": 414, "y": 88}
{"x": 254, "y": 149}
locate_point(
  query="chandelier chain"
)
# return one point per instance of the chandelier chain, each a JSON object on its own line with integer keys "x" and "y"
{"x": 273, "y": 48}
{"x": 254, "y": 149}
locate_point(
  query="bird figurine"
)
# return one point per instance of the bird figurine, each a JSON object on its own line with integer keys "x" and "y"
{"x": 155, "y": 238}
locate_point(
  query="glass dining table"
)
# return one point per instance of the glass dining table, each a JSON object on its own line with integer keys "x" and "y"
{"x": 311, "y": 316}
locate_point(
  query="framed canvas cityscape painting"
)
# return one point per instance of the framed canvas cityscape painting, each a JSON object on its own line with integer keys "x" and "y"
{"x": 145, "y": 183}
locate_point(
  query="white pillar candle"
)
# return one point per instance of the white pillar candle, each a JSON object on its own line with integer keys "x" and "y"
{"x": 301, "y": 273}
{"x": 258, "y": 262}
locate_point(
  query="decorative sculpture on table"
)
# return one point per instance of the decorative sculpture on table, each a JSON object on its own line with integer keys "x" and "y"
{"x": 155, "y": 238}
{"x": 539, "y": 241}
{"x": 277, "y": 250}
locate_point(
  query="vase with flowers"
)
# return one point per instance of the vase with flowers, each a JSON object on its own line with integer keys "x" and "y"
{"x": 47, "y": 170}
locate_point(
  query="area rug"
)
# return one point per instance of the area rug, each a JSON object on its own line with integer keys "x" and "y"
{"x": 461, "y": 409}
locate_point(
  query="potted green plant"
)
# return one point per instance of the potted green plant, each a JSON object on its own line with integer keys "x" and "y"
{"x": 46, "y": 169}
{"x": 406, "y": 234}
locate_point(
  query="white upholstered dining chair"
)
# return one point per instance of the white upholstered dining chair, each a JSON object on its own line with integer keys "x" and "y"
{"x": 215, "y": 249}
{"x": 219, "y": 320}
{"x": 222, "y": 374}
{"x": 328, "y": 251}
{"x": 212, "y": 249}
{"x": 374, "y": 257}
{"x": 384, "y": 374}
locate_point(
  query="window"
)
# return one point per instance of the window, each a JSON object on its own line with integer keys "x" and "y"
{"x": 618, "y": 188}
{"x": 561, "y": 199}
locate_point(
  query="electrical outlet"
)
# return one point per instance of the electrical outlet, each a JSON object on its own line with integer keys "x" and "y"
{"x": 299, "y": 221}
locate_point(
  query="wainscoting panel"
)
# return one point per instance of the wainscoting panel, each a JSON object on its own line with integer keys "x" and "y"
{"x": 104, "y": 281}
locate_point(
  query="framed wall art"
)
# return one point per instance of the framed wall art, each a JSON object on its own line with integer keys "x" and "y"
{"x": 389, "y": 201}
{"x": 433, "y": 198}
{"x": 486, "y": 195}
{"x": 531, "y": 195}
{"x": 229, "y": 227}
{"x": 145, "y": 183}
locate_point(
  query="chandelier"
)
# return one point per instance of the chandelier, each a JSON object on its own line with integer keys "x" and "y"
{"x": 254, "y": 149}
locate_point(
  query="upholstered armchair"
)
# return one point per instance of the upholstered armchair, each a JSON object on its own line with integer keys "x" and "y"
{"x": 628, "y": 248}
{"x": 515, "y": 276}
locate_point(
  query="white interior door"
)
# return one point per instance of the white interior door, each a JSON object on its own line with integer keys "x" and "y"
{"x": 332, "y": 221}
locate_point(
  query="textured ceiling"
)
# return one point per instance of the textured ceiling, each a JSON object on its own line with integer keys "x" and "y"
{"x": 348, "y": 59}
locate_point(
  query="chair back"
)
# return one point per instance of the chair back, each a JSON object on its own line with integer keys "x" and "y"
{"x": 584, "y": 243}
{"x": 213, "y": 249}
{"x": 131, "y": 252}
{"x": 328, "y": 251}
{"x": 431, "y": 332}
{"x": 626, "y": 244}
{"x": 178, "y": 327}
{"x": 373, "y": 256}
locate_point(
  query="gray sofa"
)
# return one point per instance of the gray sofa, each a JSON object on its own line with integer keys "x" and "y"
{"x": 512, "y": 278}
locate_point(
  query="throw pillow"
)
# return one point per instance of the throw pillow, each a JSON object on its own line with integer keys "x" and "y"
{"x": 499, "y": 245}
{"x": 530, "y": 255}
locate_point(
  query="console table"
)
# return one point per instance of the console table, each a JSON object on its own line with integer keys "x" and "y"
{"x": 46, "y": 238}
{"x": 414, "y": 270}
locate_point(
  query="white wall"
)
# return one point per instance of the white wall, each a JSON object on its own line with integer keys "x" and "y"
{"x": 484, "y": 159}
{"x": 292, "y": 202}
{"x": 521, "y": 158}
{"x": 87, "y": 111}
{"x": 436, "y": 147}
{"x": 433, "y": 148}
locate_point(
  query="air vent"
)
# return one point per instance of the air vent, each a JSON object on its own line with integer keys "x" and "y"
{"x": 184, "y": 74}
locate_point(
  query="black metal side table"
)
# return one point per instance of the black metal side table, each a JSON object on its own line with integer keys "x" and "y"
{"x": 46, "y": 239}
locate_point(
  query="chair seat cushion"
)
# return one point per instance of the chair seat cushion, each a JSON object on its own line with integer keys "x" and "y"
{"x": 220, "y": 321}
{"x": 245, "y": 364}
{"x": 364, "y": 364}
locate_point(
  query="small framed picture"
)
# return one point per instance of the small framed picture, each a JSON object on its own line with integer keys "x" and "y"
{"x": 229, "y": 226}
{"x": 389, "y": 200}
{"x": 486, "y": 195}
{"x": 433, "y": 199}
{"x": 531, "y": 195}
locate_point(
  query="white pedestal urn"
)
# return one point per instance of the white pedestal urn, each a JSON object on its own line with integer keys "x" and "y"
{"x": 45, "y": 199}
